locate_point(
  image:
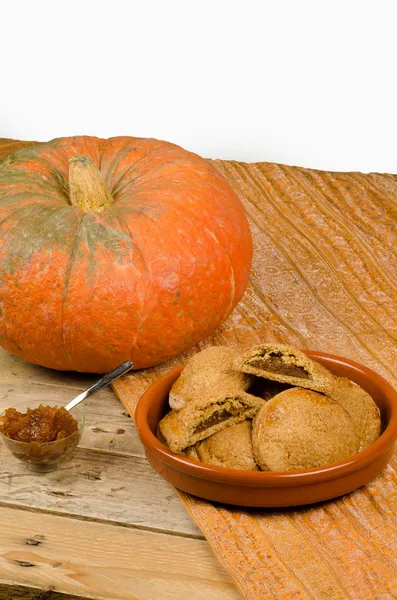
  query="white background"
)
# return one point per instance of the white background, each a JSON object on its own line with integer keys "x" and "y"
{"x": 298, "y": 82}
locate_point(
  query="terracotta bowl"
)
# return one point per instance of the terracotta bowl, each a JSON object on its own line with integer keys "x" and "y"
{"x": 276, "y": 489}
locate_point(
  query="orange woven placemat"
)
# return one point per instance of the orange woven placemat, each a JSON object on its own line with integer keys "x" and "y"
{"x": 323, "y": 277}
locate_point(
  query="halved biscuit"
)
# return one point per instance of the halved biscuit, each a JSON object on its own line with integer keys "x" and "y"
{"x": 205, "y": 370}
{"x": 204, "y": 416}
{"x": 285, "y": 364}
{"x": 301, "y": 429}
{"x": 230, "y": 447}
{"x": 361, "y": 407}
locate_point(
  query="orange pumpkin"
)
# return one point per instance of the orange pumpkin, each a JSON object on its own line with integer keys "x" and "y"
{"x": 115, "y": 249}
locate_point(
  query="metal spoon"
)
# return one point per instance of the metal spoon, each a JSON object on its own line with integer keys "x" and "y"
{"x": 106, "y": 379}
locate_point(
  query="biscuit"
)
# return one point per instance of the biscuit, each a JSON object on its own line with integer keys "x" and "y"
{"x": 204, "y": 416}
{"x": 212, "y": 367}
{"x": 301, "y": 429}
{"x": 230, "y": 447}
{"x": 160, "y": 436}
{"x": 191, "y": 453}
{"x": 361, "y": 408}
{"x": 285, "y": 364}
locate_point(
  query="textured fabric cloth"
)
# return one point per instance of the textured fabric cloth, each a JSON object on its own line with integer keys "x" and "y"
{"x": 323, "y": 278}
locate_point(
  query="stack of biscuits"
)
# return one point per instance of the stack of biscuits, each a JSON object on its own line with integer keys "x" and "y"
{"x": 271, "y": 408}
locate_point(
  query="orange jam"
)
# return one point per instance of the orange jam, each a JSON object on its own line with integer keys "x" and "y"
{"x": 42, "y": 424}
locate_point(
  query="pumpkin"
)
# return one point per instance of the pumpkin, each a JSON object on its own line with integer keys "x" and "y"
{"x": 116, "y": 249}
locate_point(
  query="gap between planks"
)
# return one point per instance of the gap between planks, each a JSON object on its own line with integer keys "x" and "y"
{"x": 76, "y": 517}
{"x": 11, "y": 591}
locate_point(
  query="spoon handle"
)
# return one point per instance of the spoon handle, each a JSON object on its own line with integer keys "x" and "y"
{"x": 105, "y": 380}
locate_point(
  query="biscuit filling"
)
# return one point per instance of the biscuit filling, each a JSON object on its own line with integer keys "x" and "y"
{"x": 266, "y": 389}
{"x": 217, "y": 417}
{"x": 275, "y": 364}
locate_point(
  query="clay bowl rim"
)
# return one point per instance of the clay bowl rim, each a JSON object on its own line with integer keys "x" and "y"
{"x": 236, "y": 477}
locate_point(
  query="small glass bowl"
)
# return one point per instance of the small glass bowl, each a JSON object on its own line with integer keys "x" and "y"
{"x": 43, "y": 457}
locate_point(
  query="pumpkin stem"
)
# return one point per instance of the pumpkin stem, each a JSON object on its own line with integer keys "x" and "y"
{"x": 87, "y": 189}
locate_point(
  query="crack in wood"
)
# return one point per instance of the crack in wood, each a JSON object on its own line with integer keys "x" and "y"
{"x": 25, "y": 563}
{"x": 36, "y": 540}
{"x": 90, "y": 476}
{"x": 59, "y": 494}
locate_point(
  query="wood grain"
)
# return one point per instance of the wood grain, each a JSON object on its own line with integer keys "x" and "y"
{"x": 107, "y": 478}
{"x": 102, "y": 486}
{"x": 93, "y": 560}
{"x": 13, "y": 370}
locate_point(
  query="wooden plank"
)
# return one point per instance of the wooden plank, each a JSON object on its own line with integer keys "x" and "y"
{"x": 92, "y": 485}
{"x": 98, "y": 485}
{"x": 13, "y": 370}
{"x": 105, "y": 562}
{"x": 108, "y": 424}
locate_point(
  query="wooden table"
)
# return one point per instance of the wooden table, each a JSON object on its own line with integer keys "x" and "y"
{"x": 104, "y": 525}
